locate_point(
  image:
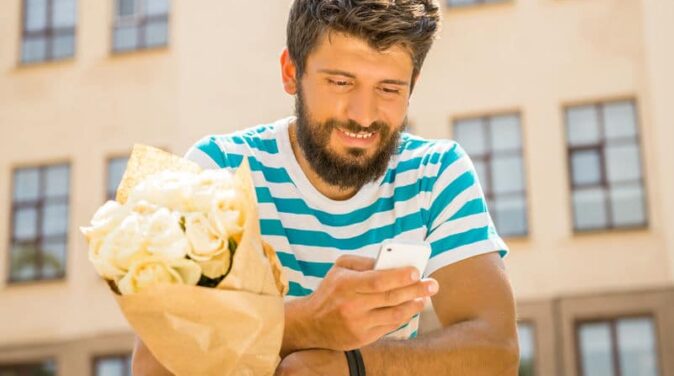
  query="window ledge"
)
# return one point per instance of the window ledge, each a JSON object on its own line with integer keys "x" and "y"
{"x": 645, "y": 229}
{"x": 11, "y": 284}
{"x": 147, "y": 51}
{"x": 45, "y": 64}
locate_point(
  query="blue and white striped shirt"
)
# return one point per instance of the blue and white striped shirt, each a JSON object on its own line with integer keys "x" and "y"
{"x": 430, "y": 192}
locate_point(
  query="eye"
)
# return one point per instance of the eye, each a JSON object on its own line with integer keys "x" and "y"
{"x": 339, "y": 82}
{"x": 387, "y": 90}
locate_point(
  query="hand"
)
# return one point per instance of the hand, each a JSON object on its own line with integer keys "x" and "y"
{"x": 355, "y": 306}
{"x": 314, "y": 362}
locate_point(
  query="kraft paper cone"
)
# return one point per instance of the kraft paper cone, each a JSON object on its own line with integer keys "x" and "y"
{"x": 196, "y": 330}
{"x": 234, "y": 329}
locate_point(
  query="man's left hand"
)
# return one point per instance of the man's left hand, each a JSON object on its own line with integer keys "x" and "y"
{"x": 314, "y": 362}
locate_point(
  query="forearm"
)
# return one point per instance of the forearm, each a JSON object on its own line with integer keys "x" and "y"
{"x": 296, "y": 333}
{"x": 465, "y": 348}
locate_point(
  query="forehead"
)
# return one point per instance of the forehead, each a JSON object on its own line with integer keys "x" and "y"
{"x": 336, "y": 50}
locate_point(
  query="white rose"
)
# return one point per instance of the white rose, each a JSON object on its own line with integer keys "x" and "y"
{"x": 204, "y": 241}
{"x": 106, "y": 218}
{"x": 164, "y": 236}
{"x": 206, "y": 186}
{"x": 220, "y": 178}
{"x": 201, "y": 198}
{"x": 119, "y": 249}
{"x": 169, "y": 189}
{"x": 226, "y": 215}
{"x": 142, "y": 207}
{"x": 150, "y": 271}
{"x": 218, "y": 265}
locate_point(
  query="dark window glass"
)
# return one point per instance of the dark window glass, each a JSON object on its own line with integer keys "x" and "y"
{"x": 140, "y": 24}
{"x": 46, "y": 368}
{"x": 605, "y": 166}
{"x": 48, "y": 30}
{"x": 622, "y": 346}
{"x": 495, "y": 145}
{"x": 39, "y": 223}
{"x": 116, "y": 167}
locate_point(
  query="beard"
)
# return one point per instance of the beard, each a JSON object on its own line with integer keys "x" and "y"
{"x": 355, "y": 169}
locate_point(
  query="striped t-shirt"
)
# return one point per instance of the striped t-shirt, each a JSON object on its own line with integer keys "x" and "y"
{"x": 430, "y": 192}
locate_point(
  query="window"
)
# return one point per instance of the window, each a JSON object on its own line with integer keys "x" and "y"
{"x": 624, "y": 346}
{"x": 48, "y": 30}
{"x": 39, "y": 223}
{"x": 494, "y": 144}
{"x": 116, "y": 167}
{"x": 525, "y": 334}
{"x": 46, "y": 368}
{"x": 115, "y": 365}
{"x": 140, "y": 24}
{"x": 605, "y": 166}
{"x": 460, "y": 3}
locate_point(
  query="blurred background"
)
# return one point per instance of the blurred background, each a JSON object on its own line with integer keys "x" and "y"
{"x": 564, "y": 106}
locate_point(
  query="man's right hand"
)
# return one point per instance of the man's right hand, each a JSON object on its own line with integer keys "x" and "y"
{"x": 354, "y": 306}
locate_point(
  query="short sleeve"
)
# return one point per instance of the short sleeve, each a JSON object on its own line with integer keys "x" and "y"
{"x": 208, "y": 154}
{"x": 458, "y": 222}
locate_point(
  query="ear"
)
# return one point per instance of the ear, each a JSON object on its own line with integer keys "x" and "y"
{"x": 288, "y": 73}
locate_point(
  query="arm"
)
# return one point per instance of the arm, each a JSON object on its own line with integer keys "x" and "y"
{"x": 477, "y": 311}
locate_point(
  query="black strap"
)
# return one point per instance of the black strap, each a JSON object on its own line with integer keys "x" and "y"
{"x": 351, "y": 361}
{"x": 355, "y": 361}
{"x": 359, "y": 361}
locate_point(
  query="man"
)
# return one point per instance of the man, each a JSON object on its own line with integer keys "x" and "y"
{"x": 338, "y": 179}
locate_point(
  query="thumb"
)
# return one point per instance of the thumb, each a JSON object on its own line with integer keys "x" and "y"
{"x": 358, "y": 263}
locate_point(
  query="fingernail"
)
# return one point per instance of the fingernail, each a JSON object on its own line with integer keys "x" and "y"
{"x": 414, "y": 276}
{"x": 432, "y": 288}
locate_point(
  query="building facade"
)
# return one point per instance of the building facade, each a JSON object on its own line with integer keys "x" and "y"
{"x": 563, "y": 105}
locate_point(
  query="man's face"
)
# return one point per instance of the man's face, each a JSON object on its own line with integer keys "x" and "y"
{"x": 351, "y": 106}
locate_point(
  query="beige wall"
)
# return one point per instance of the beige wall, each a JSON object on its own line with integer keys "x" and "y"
{"x": 535, "y": 57}
{"x": 220, "y": 73}
{"x": 659, "y": 57}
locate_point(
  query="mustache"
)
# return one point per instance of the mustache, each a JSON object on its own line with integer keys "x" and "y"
{"x": 355, "y": 127}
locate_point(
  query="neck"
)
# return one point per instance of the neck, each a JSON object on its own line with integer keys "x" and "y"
{"x": 333, "y": 192}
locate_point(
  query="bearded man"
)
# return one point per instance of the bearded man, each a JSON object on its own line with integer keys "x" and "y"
{"x": 341, "y": 176}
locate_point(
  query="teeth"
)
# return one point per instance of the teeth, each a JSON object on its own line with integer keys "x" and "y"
{"x": 357, "y": 135}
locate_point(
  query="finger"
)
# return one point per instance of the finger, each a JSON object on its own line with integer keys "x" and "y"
{"x": 379, "y": 331}
{"x": 354, "y": 262}
{"x": 391, "y": 298}
{"x": 396, "y": 316}
{"x": 375, "y": 281}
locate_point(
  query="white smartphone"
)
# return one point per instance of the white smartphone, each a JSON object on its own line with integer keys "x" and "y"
{"x": 399, "y": 254}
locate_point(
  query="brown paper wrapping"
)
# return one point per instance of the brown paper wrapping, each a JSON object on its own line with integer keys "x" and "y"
{"x": 234, "y": 329}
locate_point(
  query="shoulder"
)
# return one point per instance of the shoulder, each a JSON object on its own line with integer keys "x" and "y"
{"x": 228, "y": 150}
{"x": 437, "y": 154}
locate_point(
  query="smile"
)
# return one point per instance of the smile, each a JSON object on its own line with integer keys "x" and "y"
{"x": 362, "y": 135}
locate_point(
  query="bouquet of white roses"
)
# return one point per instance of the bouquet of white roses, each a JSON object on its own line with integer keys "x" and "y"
{"x": 182, "y": 249}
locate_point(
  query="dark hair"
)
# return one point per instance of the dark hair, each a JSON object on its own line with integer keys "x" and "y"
{"x": 382, "y": 23}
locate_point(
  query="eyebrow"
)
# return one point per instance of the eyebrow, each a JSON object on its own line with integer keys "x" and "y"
{"x": 351, "y": 75}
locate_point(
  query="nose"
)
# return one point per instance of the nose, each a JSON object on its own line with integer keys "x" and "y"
{"x": 362, "y": 107}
